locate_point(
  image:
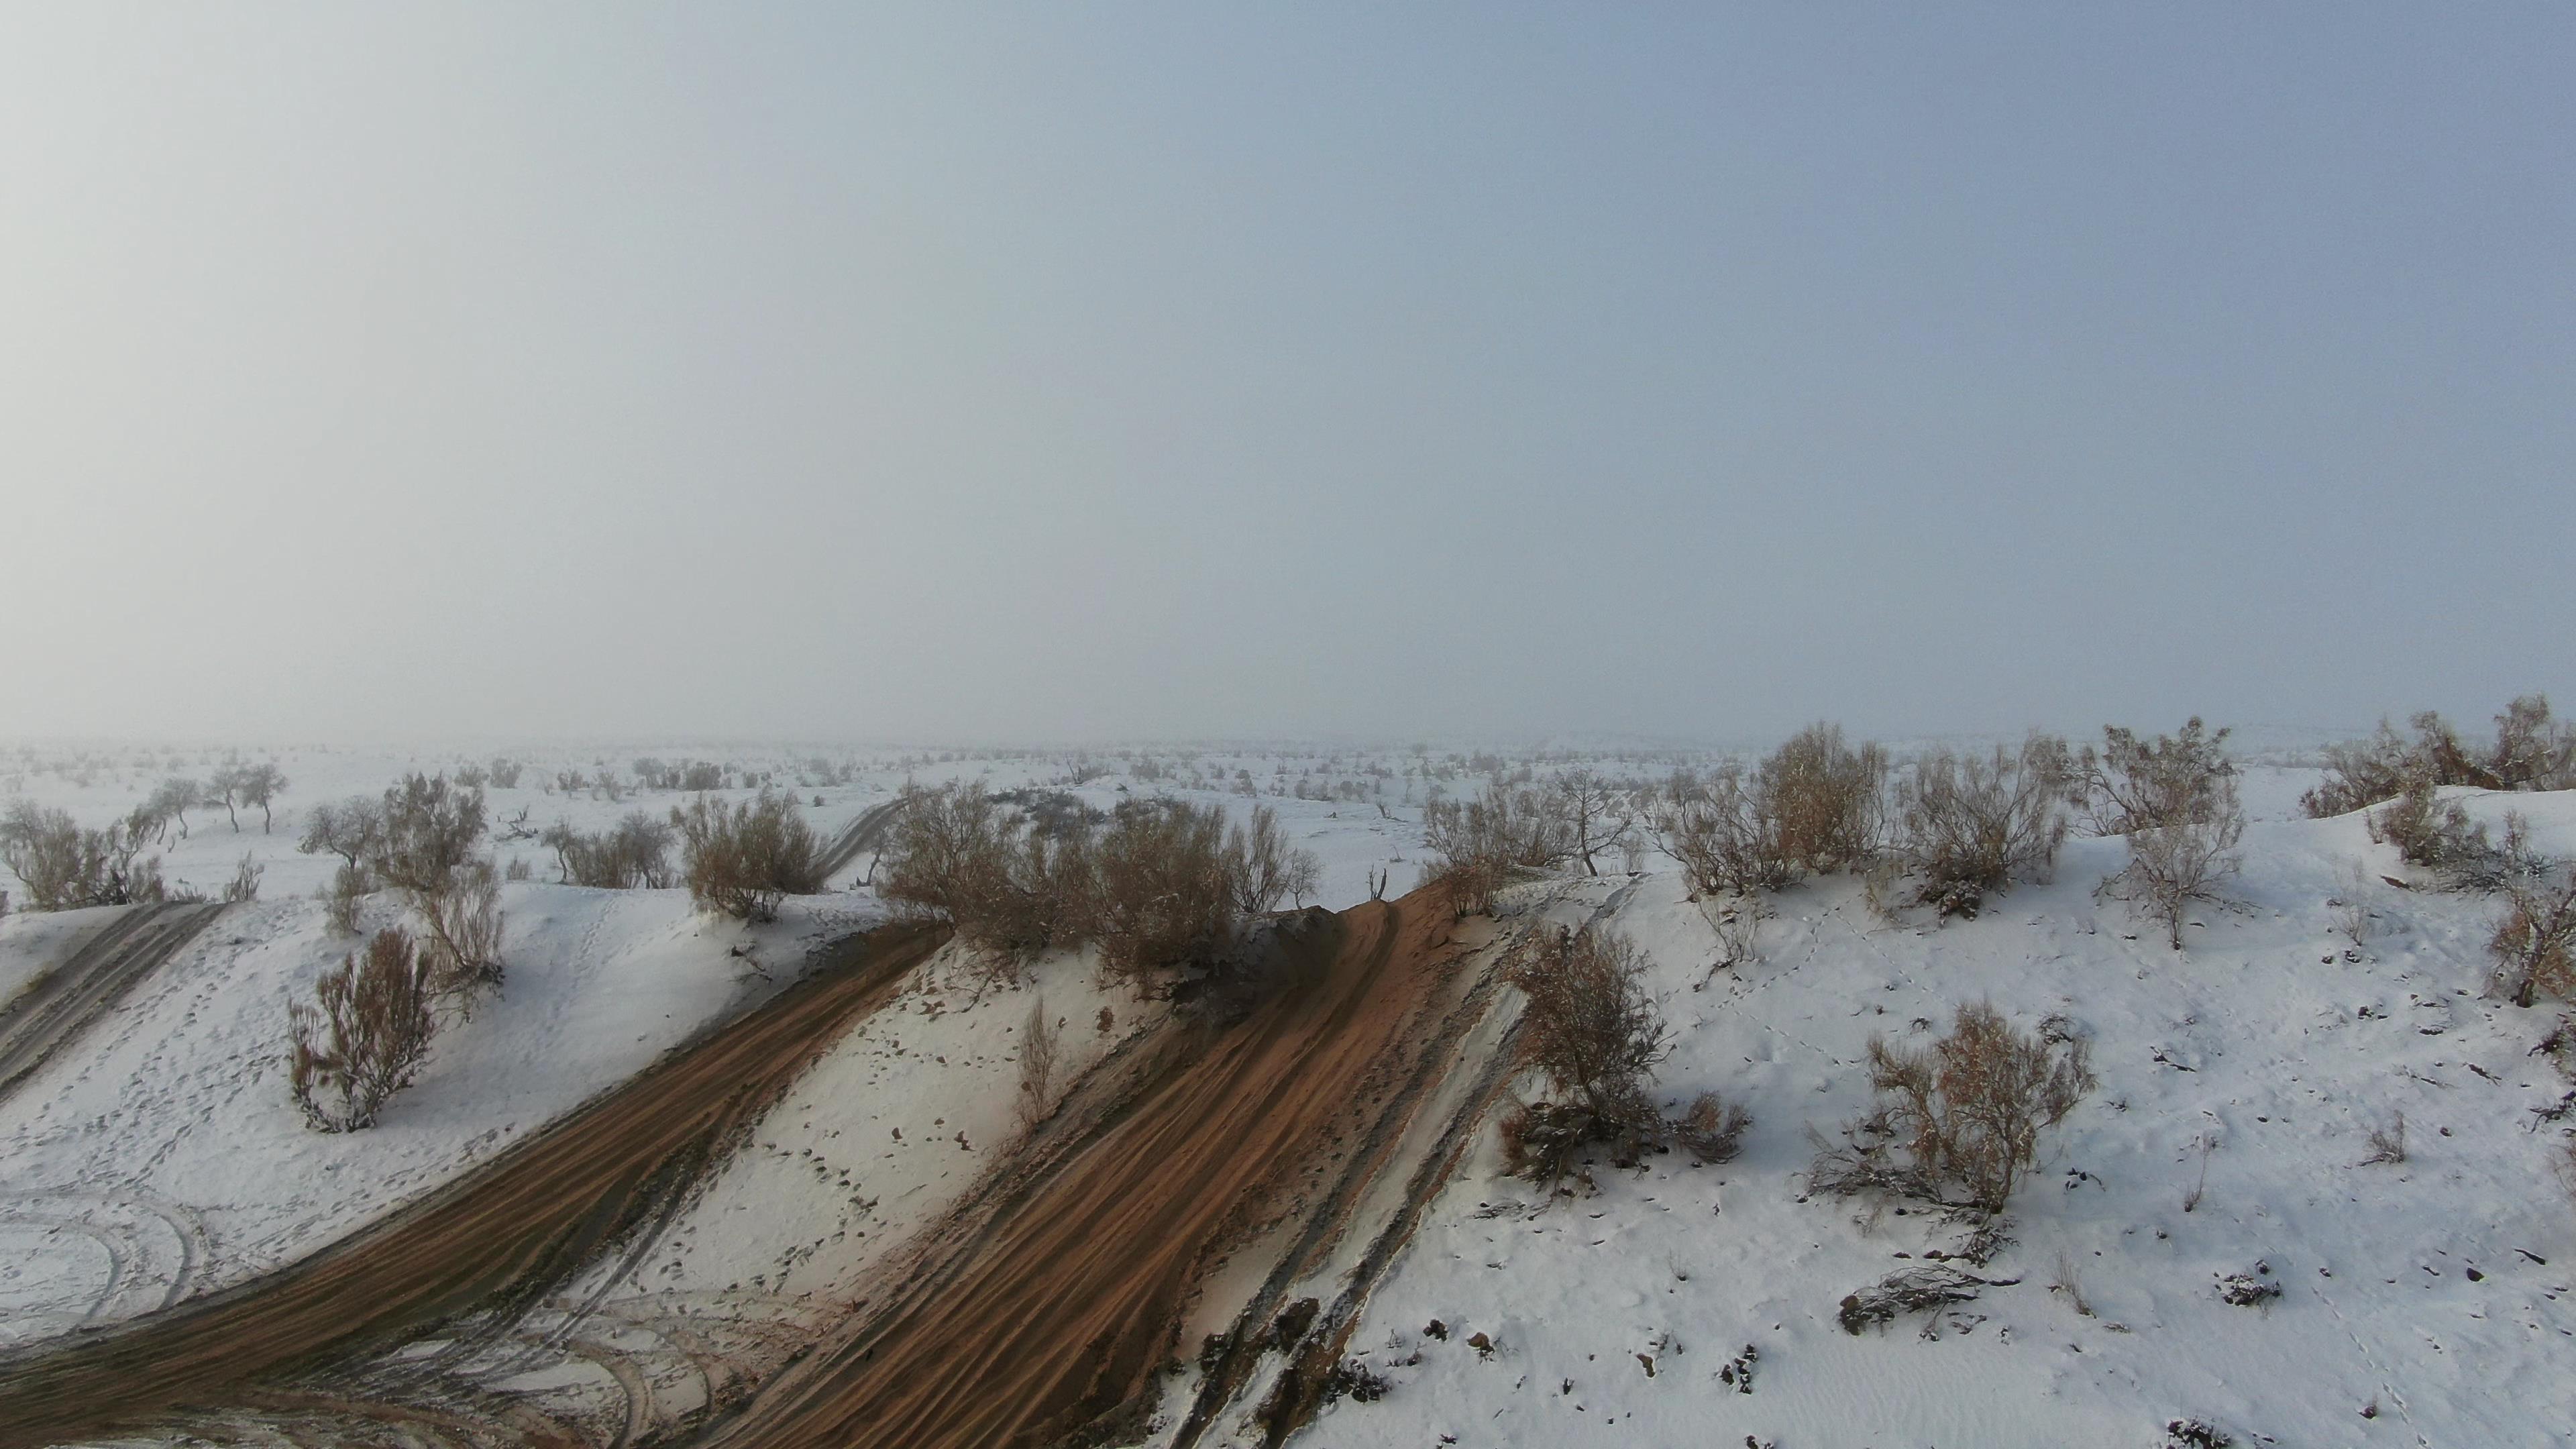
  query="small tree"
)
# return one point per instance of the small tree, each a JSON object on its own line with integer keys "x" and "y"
{"x": 172, "y": 799}
{"x": 352, "y": 830}
{"x": 2134, "y": 783}
{"x": 260, "y": 785}
{"x": 1600, "y": 815}
{"x": 1957, "y": 1122}
{"x": 1263, "y": 870}
{"x": 363, "y": 1038}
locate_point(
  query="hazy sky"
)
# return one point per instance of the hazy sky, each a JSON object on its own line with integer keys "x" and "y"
{"x": 1089, "y": 371}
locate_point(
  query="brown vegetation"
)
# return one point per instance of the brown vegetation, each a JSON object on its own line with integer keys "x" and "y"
{"x": 745, "y": 858}
{"x": 365, "y": 1035}
{"x": 2532, "y": 751}
{"x": 1957, "y": 1122}
{"x": 1974, "y": 823}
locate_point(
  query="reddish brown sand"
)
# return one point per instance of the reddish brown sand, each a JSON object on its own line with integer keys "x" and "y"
{"x": 1068, "y": 1302}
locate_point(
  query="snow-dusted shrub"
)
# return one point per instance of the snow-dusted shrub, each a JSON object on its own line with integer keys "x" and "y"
{"x": 1723, "y": 831}
{"x": 348, "y": 887}
{"x": 2135, "y": 783}
{"x": 464, "y": 923}
{"x": 66, "y": 867}
{"x": 505, "y": 774}
{"x": 634, "y": 854}
{"x": 1826, "y": 797}
{"x": 1713, "y": 1128}
{"x": 1958, "y": 1122}
{"x": 743, "y": 859}
{"x": 1589, "y": 1025}
{"x": 2426, "y": 830}
{"x": 472, "y": 775}
{"x": 428, "y": 833}
{"x": 1263, "y": 871}
{"x": 1907, "y": 1290}
{"x": 1164, "y": 895}
{"x": 1972, "y": 824}
{"x": 2181, "y": 859}
{"x": 1010, "y": 891}
{"x": 2535, "y": 944}
{"x": 2532, "y": 751}
{"x": 1482, "y": 843}
{"x": 363, "y": 1037}
{"x": 244, "y": 886}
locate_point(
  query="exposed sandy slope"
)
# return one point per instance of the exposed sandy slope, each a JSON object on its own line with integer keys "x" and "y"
{"x": 528, "y": 1219}
{"x": 1055, "y": 1312}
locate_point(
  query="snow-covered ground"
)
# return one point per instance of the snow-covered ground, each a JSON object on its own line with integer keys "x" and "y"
{"x": 160, "y": 1155}
{"x": 2423, "y": 1303}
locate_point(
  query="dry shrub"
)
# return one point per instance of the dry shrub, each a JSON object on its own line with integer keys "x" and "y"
{"x": 348, "y": 888}
{"x": 1482, "y": 843}
{"x": 2535, "y": 944}
{"x": 1263, "y": 871}
{"x": 2531, "y": 752}
{"x": 1957, "y": 1122}
{"x": 1039, "y": 1047}
{"x": 243, "y": 888}
{"x": 1164, "y": 897}
{"x": 1826, "y": 797}
{"x": 2182, "y": 842}
{"x": 2387, "y": 1144}
{"x": 364, "y": 1036}
{"x": 743, "y": 859}
{"x": 66, "y": 867}
{"x": 1722, "y": 830}
{"x": 2135, "y": 783}
{"x": 636, "y": 854}
{"x": 1588, "y": 1024}
{"x": 463, "y": 919}
{"x": 1906, "y": 1291}
{"x": 1713, "y": 1128}
{"x": 428, "y": 833}
{"x": 1972, "y": 824}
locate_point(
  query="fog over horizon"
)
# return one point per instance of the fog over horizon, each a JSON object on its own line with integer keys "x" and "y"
{"x": 1145, "y": 372}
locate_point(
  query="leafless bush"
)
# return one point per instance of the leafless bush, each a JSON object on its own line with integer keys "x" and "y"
{"x": 1957, "y": 1122}
{"x": 352, "y": 830}
{"x": 2175, "y": 863}
{"x": 1588, "y": 1023}
{"x": 2531, "y": 752}
{"x": 518, "y": 869}
{"x": 348, "y": 887}
{"x": 2535, "y": 944}
{"x": 1011, "y": 892}
{"x": 2071, "y": 1283}
{"x": 1039, "y": 1045}
{"x": 2387, "y": 1144}
{"x": 2427, "y": 830}
{"x": 66, "y": 867}
{"x": 1826, "y": 796}
{"x": 505, "y": 775}
{"x": 1973, "y": 824}
{"x": 1481, "y": 843}
{"x": 2135, "y": 783}
{"x": 428, "y": 833}
{"x": 244, "y": 886}
{"x": 1164, "y": 898}
{"x": 1599, "y": 814}
{"x": 463, "y": 919}
{"x": 636, "y": 854}
{"x": 1713, "y": 1128}
{"x": 746, "y": 858}
{"x": 2351, "y": 903}
{"x": 1723, "y": 831}
{"x": 473, "y": 776}
{"x": 364, "y": 1037}
{"x": 1263, "y": 870}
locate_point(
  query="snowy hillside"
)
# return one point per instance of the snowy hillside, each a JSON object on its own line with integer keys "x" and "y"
{"x": 2423, "y": 1302}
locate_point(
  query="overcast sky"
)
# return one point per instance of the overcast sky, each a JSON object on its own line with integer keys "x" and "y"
{"x": 1116, "y": 371}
